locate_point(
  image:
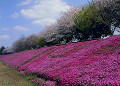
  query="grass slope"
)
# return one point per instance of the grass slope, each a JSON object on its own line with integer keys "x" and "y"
{"x": 9, "y": 77}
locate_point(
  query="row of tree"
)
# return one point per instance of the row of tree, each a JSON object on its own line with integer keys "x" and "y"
{"x": 78, "y": 23}
{"x": 27, "y": 43}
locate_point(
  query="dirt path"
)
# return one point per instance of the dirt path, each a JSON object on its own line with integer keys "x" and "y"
{"x": 10, "y": 78}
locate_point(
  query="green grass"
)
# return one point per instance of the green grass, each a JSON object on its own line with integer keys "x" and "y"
{"x": 11, "y": 77}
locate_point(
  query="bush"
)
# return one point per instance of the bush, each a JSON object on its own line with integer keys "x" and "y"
{"x": 41, "y": 42}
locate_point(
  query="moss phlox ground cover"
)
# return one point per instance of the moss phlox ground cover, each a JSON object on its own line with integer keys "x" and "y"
{"x": 95, "y": 62}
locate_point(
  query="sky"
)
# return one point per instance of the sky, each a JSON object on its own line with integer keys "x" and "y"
{"x": 26, "y": 17}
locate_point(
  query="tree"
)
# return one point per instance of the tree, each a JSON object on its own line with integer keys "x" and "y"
{"x": 89, "y": 22}
{"x": 65, "y": 25}
{"x": 1, "y": 49}
{"x": 7, "y": 50}
{"x": 49, "y": 33}
{"x": 30, "y": 42}
{"x": 41, "y": 42}
{"x": 110, "y": 12}
{"x": 19, "y": 45}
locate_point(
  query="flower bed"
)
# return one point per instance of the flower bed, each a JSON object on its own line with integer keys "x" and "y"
{"x": 94, "y": 62}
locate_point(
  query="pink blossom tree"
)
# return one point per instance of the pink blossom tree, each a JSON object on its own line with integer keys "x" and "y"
{"x": 19, "y": 45}
{"x": 30, "y": 41}
{"x": 63, "y": 29}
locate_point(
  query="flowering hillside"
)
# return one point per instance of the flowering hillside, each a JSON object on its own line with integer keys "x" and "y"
{"x": 95, "y": 62}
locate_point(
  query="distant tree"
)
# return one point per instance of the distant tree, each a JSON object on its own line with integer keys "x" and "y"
{"x": 30, "y": 42}
{"x": 8, "y": 50}
{"x": 41, "y": 42}
{"x": 19, "y": 45}
{"x": 1, "y": 49}
{"x": 89, "y": 22}
{"x": 110, "y": 10}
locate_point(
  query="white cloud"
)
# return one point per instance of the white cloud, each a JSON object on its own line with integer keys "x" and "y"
{"x": 15, "y": 33}
{"x": 26, "y": 2}
{"x": 4, "y": 37}
{"x": 45, "y": 11}
{"x": 5, "y": 29}
{"x": 15, "y": 15}
{"x": 21, "y": 28}
{"x": 44, "y": 22}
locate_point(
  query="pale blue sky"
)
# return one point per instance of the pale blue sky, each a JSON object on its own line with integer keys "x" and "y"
{"x": 25, "y": 17}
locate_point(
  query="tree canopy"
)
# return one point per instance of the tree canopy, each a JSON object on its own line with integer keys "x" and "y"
{"x": 110, "y": 12}
{"x": 89, "y": 22}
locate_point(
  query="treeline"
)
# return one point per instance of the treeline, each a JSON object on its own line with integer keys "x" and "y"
{"x": 98, "y": 19}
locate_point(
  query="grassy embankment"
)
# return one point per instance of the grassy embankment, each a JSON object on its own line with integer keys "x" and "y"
{"x": 10, "y": 77}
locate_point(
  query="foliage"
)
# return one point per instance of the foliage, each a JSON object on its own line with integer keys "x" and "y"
{"x": 41, "y": 42}
{"x": 30, "y": 42}
{"x": 8, "y": 50}
{"x": 65, "y": 26}
{"x": 110, "y": 10}
{"x": 49, "y": 33}
{"x": 25, "y": 43}
{"x": 89, "y": 22}
{"x": 19, "y": 45}
{"x": 1, "y": 49}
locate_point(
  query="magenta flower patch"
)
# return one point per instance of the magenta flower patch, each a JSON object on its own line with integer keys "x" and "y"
{"x": 95, "y": 62}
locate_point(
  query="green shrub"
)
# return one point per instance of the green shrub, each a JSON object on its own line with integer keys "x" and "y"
{"x": 41, "y": 42}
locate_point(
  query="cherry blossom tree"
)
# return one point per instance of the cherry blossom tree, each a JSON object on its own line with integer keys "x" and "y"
{"x": 63, "y": 29}
{"x": 30, "y": 42}
{"x": 110, "y": 12}
{"x": 19, "y": 45}
{"x": 66, "y": 30}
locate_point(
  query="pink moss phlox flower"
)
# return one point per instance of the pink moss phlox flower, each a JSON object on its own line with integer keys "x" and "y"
{"x": 95, "y": 62}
